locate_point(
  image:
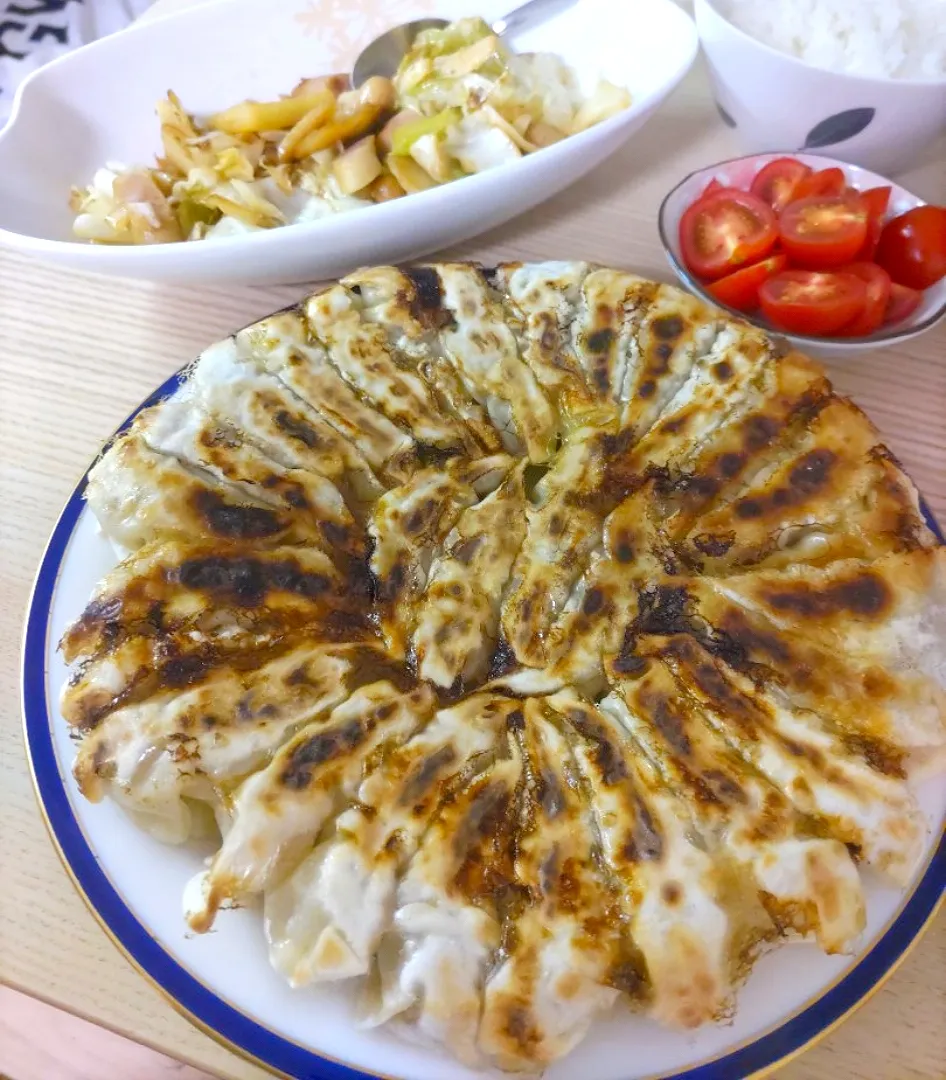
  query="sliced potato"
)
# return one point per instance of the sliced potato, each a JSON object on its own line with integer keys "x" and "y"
{"x": 357, "y": 166}
{"x": 411, "y": 176}
{"x": 249, "y": 117}
{"x": 384, "y": 189}
{"x": 541, "y": 134}
{"x": 335, "y": 84}
{"x": 321, "y": 111}
{"x": 341, "y": 129}
{"x": 398, "y": 120}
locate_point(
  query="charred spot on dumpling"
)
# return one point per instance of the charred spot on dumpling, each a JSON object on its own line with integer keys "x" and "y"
{"x": 101, "y": 617}
{"x": 755, "y": 640}
{"x": 730, "y": 464}
{"x": 296, "y": 428}
{"x": 600, "y": 341}
{"x": 627, "y": 662}
{"x": 676, "y": 425}
{"x": 428, "y": 455}
{"x": 503, "y": 661}
{"x": 521, "y": 1028}
{"x": 102, "y": 764}
{"x": 722, "y": 371}
{"x": 177, "y": 672}
{"x": 390, "y": 586}
{"x": 248, "y": 581}
{"x": 556, "y": 525}
{"x": 647, "y": 389}
{"x": 336, "y": 535}
{"x": 760, "y": 431}
{"x": 549, "y": 334}
{"x": 608, "y": 758}
{"x": 464, "y": 551}
{"x": 481, "y": 843}
{"x": 643, "y": 842}
{"x": 324, "y": 746}
{"x": 811, "y": 473}
{"x": 735, "y": 706}
{"x": 623, "y": 549}
{"x": 659, "y": 358}
{"x": 516, "y": 720}
{"x": 235, "y": 521}
{"x": 714, "y": 545}
{"x": 550, "y": 793}
{"x": 616, "y": 444}
{"x": 418, "y": 785}
{"x": 671, "y": 892}
{"x": 668, "y": 327}
{"x": 865, "y": 594}
{"x": 421, "y": 517}
{"x": 663, "y": 610}
{"x": 748, "y": 509}
{"x": 723, "y": 788}
{"x": 879, "y": 755}
{"x": 802, "y": 750}
{"x": 370, "y": 664}
{"x": 665, "y": 715}
{"x": 593, "y": 602}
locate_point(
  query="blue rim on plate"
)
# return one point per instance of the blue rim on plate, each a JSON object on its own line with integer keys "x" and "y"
{"x": 254, "y": 1041}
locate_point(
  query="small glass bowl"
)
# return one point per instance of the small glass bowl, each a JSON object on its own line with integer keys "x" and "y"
{"x": 739, "y": 172}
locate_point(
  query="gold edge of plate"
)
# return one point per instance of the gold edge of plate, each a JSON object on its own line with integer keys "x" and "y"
{"x": 874, "y": 989}
{"x": 222, "y": 1040}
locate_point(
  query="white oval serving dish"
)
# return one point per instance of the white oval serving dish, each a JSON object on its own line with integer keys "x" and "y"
{"x": 97, "y": 105}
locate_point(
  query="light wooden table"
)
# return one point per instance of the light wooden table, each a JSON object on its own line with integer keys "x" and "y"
{"x": 77, "y": 352}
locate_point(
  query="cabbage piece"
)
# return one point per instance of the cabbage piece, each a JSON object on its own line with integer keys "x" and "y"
{"x": 404, "y": 136}
{"x": 430, "y": 153}
{"x": 607, "y": 100}
{"x": 434, "y": 74}
{"x": 542, "y": 85}
{"x": 125, "y": 207}
{"x": 478, "y": 144}
{"x": 191, "y": 213}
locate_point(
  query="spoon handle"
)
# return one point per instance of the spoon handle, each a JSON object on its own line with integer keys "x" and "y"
{"x": 528, "y": 15}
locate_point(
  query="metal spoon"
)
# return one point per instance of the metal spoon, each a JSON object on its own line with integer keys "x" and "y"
{"x": 385, "y": 53}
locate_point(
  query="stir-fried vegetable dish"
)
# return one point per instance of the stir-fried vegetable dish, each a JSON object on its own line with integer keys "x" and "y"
{"x": 461, "y": 102}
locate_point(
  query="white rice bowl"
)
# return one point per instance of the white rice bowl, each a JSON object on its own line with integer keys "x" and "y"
{"x": 900, "y": 39}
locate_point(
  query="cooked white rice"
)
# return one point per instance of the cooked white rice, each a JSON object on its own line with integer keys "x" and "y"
{"x": 905, "y": 39}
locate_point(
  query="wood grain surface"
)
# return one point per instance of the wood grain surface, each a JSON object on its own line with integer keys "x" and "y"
{"x": 78, "y": 352}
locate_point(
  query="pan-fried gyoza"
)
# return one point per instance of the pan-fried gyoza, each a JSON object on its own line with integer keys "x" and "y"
{"x": 537, "y": 638}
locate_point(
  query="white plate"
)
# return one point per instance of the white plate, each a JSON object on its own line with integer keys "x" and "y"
{"x": 97, "y": 105}
{"x": 224, "y": 981}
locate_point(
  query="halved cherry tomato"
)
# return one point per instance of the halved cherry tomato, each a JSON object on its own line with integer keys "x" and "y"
{"x": 713, "y": 185}
{"x": 741, "y": 289}
{"x": 902, "y": 303}
{"x": 725, "y": 230}
{"x": 912, "y": 247}
{"x": 806, "y": 302}
{"x": 824, "y": 182}
{"x": 776, "y": 183}
{"x": 824, "y": 230}
{"x": 876, "y": 200}
{"x": 871, "y": 316}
